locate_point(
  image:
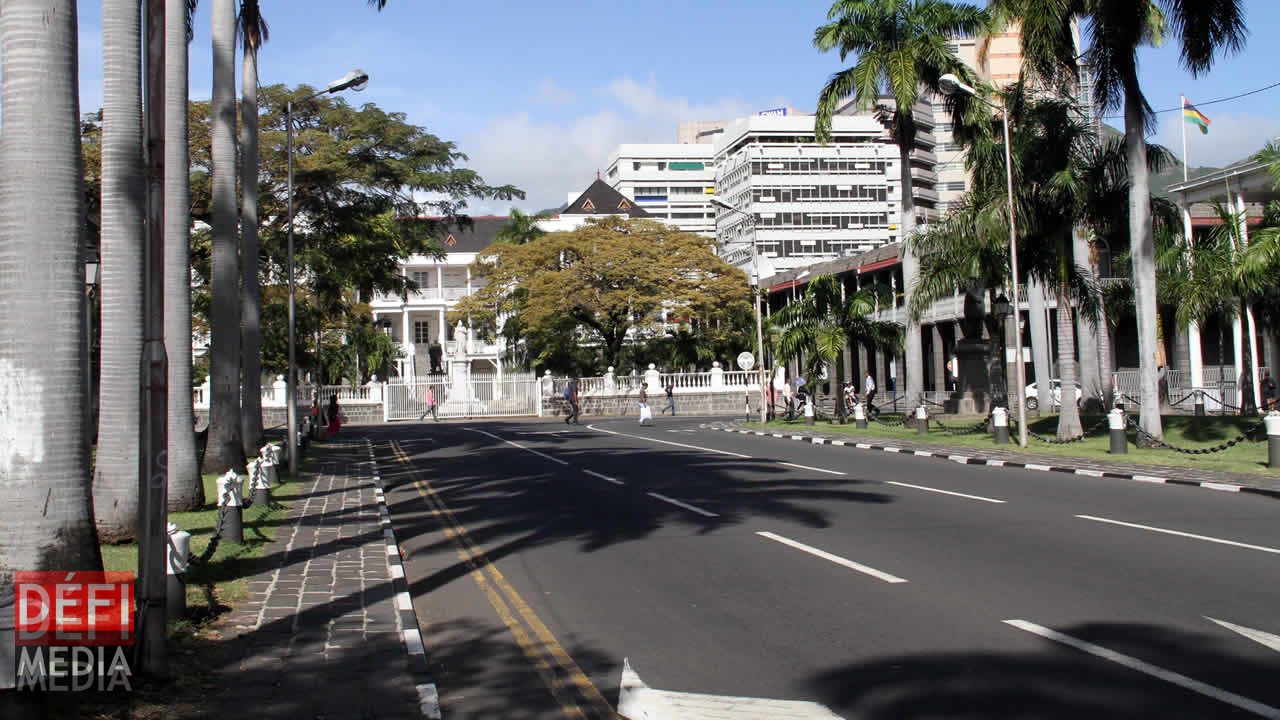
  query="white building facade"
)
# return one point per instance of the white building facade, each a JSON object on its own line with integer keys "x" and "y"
{"x": 672, "y": 182}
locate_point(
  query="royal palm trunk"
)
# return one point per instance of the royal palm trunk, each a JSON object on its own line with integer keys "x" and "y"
{"x": 1142, "y": 250}
{"x": 914, "y": 348}
{"x": 224, "y": 449}
{"x": 186, "y": 491}
{"x": 251, "y": 296}
{"x": 115, "y": 484}
{"x": 46, "y": 511}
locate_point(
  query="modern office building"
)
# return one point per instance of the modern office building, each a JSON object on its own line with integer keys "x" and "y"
{"x": 801, "y": 202}
{"x": 673, "y": 183}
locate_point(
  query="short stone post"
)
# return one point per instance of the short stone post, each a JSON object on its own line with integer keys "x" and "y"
{"x": 653, "y": 377}
{"x": 717, "y": 375}
{"x": 279, "y": 393}
{"x": 261, "y": 488}
{"x": 1116, "y": 422}
{"x": 860, "y": 416}
{"x": 270, "y": 456}
{"x": 177, "y": 558}
{"x": 1272, "y": 423}
{"x": 229, "y": 506}
{"x": 1000, "y": 425}
{"x": 610, "y": 380}
{"x": 922, "y": 420}
{"x": 1199, "y": 402}
{"x": 808, "y": 410}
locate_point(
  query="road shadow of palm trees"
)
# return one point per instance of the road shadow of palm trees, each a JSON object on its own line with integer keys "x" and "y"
{"x": 1053, "y": 682}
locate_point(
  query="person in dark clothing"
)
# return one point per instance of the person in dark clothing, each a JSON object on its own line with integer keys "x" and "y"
{"x": 335, "y": 415}
{"x": 671, "y": 399}
{"x": 1268, "y": 391}
{"x": 571, "y": 394}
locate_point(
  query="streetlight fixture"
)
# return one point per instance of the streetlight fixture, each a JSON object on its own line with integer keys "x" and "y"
{"x": 356, "y": 80}
{"x": 755, "y": 286}
{"x": 951, "y": 85}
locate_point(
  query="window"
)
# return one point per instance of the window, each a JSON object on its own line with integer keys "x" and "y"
{"x": 422, "y": 278}
{"x": 421, "y": 332}
{"x": 635, "y": 166}
{"x": 957, "y": 186}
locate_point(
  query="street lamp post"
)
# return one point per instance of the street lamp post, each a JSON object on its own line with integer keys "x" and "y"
{"x": 355, "y": 80}
{"x": 755, "y": 286}
{"x": 950, "y": 84}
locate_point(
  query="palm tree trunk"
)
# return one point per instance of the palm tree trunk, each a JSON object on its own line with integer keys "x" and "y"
{"x": 913, "y": 351}
{"x": 1069, "y": 417}
{"x": 1037, "y": 309}
{"x": 1106, "y": 367}
{"x": 1248, "y": 404}
{"x": 1086, "y": 333}
{"x": 224, "y": 449}
{"x": 839, "y": 401}
{"x": 251, "y": 295}
{"x": 186, "y": 491}
{"x": 1142, "y": 249}
{"x": 115, "y": 485}
{"x": 46, "y": 510}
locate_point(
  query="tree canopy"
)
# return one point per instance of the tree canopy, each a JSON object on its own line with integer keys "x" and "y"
{"x": 599, "y": 285}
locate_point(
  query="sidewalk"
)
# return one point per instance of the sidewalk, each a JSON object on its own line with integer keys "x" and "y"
{"x": 1212, "y": 479}
{"x": 319, "y": 636}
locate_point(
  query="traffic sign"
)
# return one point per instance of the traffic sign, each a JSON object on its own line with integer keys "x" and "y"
{"x": 746, "y": 360}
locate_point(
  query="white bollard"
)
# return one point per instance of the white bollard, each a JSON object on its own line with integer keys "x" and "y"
{"x": 1000, "y": 425}
{"x": 178, "y": 558}
{"x": 230, "y": 504}
{"x": 259, "y": 488}
{"x": 859, "y": 416}
{"x": 808, "y": 410}
{"x": 1116, "y": 422}
{"x": 270, "y": 456}
{"x": 922, "y": 420}
{"x": 1272, "y": 423}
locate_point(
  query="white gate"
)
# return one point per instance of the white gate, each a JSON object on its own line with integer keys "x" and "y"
{"x": 464, "y": 395}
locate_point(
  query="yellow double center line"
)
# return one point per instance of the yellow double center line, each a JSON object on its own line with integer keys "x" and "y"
{"x": 577, "y": 696}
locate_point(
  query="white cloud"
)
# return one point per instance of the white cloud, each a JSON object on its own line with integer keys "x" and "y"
{"x": 549, "y": 92}
{"x": 1231, "y": 138}
{"x": 549, "y": 158}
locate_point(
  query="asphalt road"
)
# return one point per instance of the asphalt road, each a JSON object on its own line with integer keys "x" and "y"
{"x": 879, "y": 585}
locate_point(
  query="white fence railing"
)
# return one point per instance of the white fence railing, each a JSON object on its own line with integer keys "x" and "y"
{"x": 1221, "y": 387}
{"x": 715, "y": 380}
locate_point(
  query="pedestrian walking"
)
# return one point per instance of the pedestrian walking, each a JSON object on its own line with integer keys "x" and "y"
{"x": 429, "y": 399}
{"x": 335, "y": 416}
{"x": 571, "y": 395}
{"x": 1268, "y": 391}
{"x": 869, "y": 389}
{"x": 671, "y": 399}
{"x": 646, "y": 415}
{"x": 789, "y": 397}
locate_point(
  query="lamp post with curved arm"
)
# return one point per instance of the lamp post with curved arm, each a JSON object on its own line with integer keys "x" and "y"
{"x": 355, "y": 80}
{"x": 951, "y": 85}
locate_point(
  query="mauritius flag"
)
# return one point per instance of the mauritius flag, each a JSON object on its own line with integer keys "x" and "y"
{"x": 1194, "y": 116}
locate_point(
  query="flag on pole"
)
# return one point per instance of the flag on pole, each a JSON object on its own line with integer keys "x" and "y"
{"x": 1194, "y": 116}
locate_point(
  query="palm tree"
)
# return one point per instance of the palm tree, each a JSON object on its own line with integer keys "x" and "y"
{"x": 901, "y": 48}
{"x": 1116, "y": 30}
{"x": 224, "y": 448}
{"x": 115, "y": 485}
{"x": 826, "y": 321}
{"x": 253, "y": 33}
{"x": 46, "y": 510}
{"x": 521, "y": 228}
{"x": 186, "y": 490}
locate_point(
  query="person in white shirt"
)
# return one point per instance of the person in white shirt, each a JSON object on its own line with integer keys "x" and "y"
{"x": 869, "y": 388}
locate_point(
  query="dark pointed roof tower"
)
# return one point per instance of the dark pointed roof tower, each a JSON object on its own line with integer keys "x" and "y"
{"x": 600, "y": 199}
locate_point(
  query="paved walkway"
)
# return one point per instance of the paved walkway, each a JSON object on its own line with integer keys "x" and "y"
{"x": 319, "y": 636}
{"x": 1264, "y": 484}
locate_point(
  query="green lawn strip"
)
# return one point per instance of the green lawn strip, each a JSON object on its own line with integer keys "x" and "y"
{"x": 1180, "y": 430}
{"x": 213, "y": 588}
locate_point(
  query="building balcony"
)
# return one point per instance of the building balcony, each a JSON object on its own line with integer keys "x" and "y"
{"x": 424, "y": 296}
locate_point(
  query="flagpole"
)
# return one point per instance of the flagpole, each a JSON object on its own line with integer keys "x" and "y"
{"x": 1183, "y": 123}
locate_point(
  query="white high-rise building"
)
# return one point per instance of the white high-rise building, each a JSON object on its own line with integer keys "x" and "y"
{"x": 810, "y": 201}
{"x": 672, "y": 182}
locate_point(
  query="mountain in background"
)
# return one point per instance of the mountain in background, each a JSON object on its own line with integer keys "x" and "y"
{"x": 1161, "y": 181}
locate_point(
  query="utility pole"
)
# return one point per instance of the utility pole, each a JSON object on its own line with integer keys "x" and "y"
{"x": 153, "y": 474}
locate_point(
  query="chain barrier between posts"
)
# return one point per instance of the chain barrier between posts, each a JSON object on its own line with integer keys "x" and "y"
{"x": 1055, "y": 441}
{"x": 1157, "y": 442}
{"x": 979, "y": 428}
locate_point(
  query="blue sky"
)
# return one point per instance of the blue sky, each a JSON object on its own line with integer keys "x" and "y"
{"x": 539, "y": 93}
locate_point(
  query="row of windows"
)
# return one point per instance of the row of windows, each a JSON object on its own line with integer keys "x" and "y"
{"x": 821, "y": 192}
{"x": 954, "y": 185}
{"x": 818, "y": 166}
{"x": 675, "y": 190}
{"x": 802, "y": 247}
{"x": 673, "y": 165}
{"x": 820, "y": 221}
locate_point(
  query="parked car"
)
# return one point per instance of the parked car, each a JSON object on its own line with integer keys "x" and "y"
{"x": 1033, "y": 396}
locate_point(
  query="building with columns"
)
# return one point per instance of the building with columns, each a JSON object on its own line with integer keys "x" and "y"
{"x": 419, "y": 320}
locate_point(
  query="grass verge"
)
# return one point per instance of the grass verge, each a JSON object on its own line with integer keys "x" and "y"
{"x": 213, "y": 588}
{"x": 1180, "y": 430}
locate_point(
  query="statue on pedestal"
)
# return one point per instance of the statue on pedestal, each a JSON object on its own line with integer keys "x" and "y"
{"x": 973, "y": 382}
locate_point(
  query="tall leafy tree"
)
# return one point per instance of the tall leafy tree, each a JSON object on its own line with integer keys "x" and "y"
{"x": 224, "y": 447}
{"x": 46, "y": 511}
{"x": 901, "y": 52}
{"x": 828, "y": 319}
{"x": 595, "y": 285}
{"x": 521, "y": 228}
{"x": 253, "y": 33}
{"x": 1116, "y": 30}
{"x": 186, "y": 490}
{"x": 115, "y": 485}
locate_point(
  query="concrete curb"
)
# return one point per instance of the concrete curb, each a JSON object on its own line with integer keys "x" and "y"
{"x": 406, "y": 618}
{"x": 989, "y": 462}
